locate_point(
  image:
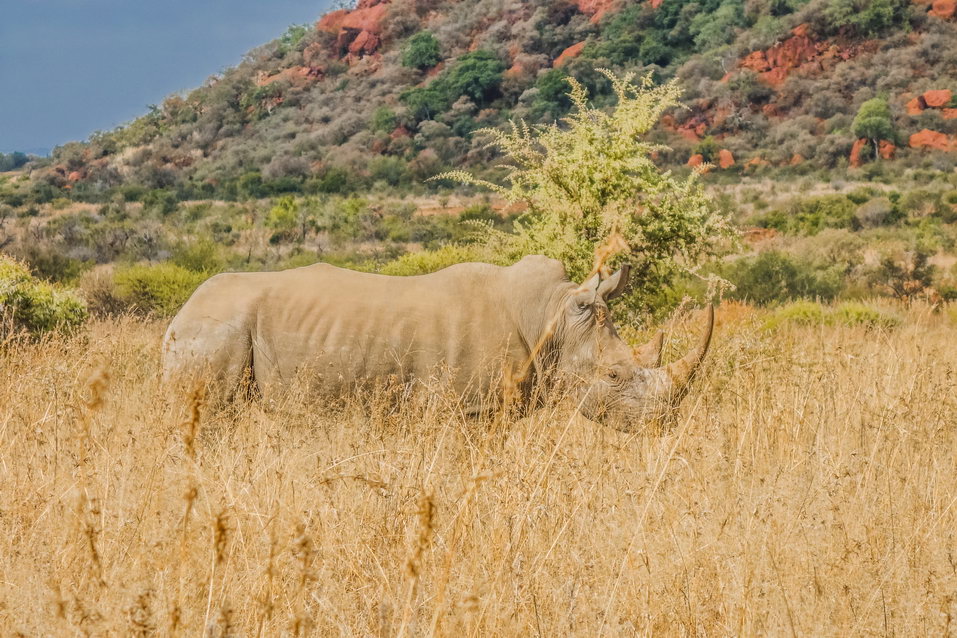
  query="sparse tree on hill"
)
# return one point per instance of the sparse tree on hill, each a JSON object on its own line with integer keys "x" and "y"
{"x": 873, "y": 122}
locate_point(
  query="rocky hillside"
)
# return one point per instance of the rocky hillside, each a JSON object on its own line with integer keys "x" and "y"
{"x": 390, "y": 92}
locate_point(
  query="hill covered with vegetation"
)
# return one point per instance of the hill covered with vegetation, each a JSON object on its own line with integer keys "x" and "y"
{"x": 388, "y": 93}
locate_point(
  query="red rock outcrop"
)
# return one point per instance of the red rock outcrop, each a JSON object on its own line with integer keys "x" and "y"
{"x": 937, "y": 99}
{"x": 930, "y": 139}
{"x": 796, "y": 159}
{"x": 696, "y": 160}
{"x": 365, "y": 43}
{"x": 800, "y": 52}
{"x": 366, "y": 17}
{"x": 725, "y": 158}
{"x": 571, "y": 52}
{"x": 689, "y": 130}
{"x": 332, "y": 21}
{"x": 949, "y": 114}
{"x": 856, "y": 152}
{"x": 515, "y": 71}
{"x": 916, "y": 106}
{"x": 595, "y": 8}
{"x": 886, "y": 149}
{"x": 774, "y": 64}
{"x": 944, "y": 9}
{"x": 358, "y": 32}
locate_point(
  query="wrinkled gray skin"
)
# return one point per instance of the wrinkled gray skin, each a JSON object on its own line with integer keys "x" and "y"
{"x": 468, "y": 326}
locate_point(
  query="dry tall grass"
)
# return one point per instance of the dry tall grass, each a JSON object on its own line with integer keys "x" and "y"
{"x": 808, "y": 488}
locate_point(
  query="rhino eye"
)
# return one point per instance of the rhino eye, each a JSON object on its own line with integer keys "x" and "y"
{"x": 583, "y": 306}
{"x": 613, "y": 375}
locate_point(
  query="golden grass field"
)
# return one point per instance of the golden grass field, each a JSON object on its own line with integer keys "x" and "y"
{"x": 808, "y": 488}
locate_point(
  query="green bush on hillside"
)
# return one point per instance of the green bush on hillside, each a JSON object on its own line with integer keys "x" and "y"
{"x": 28, "y": 304}
{"x": 476, "y": 75}
{"x": 866, "y": 18}
{"x": 160, "y": 290}
{"x": 292, "y": 38}
{"x": 809, "y": 216}
{"x": 421, "y": 51}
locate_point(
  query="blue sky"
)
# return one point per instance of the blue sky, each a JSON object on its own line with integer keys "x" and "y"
{"x": 71, "y": 67}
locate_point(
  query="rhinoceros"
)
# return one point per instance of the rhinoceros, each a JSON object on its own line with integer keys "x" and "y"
{"x": 472, "y": 326}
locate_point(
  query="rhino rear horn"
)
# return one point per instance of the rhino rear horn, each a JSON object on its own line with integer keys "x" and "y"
{"x": 649, "y": 355}
{"x": 683, "y": 370}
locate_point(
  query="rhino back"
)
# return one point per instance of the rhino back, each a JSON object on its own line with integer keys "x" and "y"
{"x": 341, "y": 327}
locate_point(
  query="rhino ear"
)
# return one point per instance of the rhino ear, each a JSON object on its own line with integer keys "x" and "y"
{"x": 614, "y": 285}
{"x": 592, "y": 284}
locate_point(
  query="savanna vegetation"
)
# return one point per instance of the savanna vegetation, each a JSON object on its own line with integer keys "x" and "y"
{"x": 805, "y": 489}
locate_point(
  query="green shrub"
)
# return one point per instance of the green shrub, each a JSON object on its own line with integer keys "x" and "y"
{"x": 421, "y": 51}
{"x": 161, "y": 202}
{"x": 805, "y": 313}
{"x": 811, "y": 215}
{"x": 291, "y": 39}
{"x": 476, "y": 75}
{"x": 35, "y": 306}
{"x": 852, "y": 313}
{"x": 161, "y": 289}
{"x": 384, "y": 120}
{"x": 775, "y": 276}
{"x": 552, "y": 98}
{"x": 879, "y": 211}
{"x": 708, "y": 149}
{"x": 867, "y": 18}
{"x": 200, "y": 255}
{"x": 424, "y": 262}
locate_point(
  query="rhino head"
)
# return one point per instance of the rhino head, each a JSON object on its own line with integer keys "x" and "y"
{"x": 614, "y": 384}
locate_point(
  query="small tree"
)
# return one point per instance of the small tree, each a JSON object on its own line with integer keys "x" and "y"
{"x": 421, "y": 51}
{"x": 290, "y": 40}
{"x": 873, "y": 122}
{"x": 290, "y": 218}
{"x": 383, "y": 120}
{"x": 592, "y": 184}
{"x": 476, "y": 74}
